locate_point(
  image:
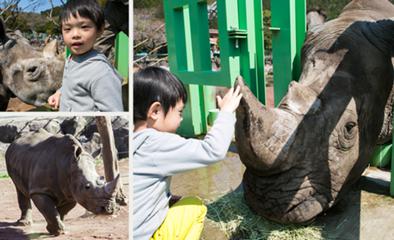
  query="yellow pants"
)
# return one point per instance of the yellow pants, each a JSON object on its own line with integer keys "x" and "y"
{"x": 184, "y": 220}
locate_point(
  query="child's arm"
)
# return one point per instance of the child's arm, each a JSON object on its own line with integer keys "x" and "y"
{"x": 176, "y": 154}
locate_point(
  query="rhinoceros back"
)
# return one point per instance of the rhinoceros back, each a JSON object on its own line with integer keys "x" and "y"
{"x": 38, "y": 163}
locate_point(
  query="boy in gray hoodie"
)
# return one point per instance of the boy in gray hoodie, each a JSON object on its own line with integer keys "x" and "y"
{"x": 90, "y": 83}
{"x": 159, "y": 153}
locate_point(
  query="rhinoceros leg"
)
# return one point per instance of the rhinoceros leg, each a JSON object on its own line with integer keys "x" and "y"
{"x": 48, "y": 209}
{"x": 25, "y": 207}
{"x": 64, "y": 209}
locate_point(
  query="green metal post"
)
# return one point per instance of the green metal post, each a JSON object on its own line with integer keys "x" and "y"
{"x": 180, "y": 38}
{"x": 241, "y": 52}
{"x": 300, "y": 20}
{"x": 258, "y": 57}
{"x": 122, "y": 54}
{"x": 288, "y": 26}
{"x": 392, "y": 167}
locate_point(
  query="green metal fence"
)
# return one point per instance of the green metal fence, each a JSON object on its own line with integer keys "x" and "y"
{"x": 241, "y": 50}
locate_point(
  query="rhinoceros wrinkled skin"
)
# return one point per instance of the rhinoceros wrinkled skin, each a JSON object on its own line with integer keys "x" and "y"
{"x": 302, "y": 156}
{"x": 26, "y": 73}
{"x": 56, "y": 173}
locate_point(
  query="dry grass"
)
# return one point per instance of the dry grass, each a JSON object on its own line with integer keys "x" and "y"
{"x": 233, "y": 217}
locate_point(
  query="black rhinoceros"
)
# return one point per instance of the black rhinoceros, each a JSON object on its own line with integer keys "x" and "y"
{"x": 304, "y": 154}
{"x": 56, "y": 173}
{"x": 26, "y": 73}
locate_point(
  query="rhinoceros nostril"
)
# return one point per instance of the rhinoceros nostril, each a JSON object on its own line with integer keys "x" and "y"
{"x": 32, "y": 69}
{"x": 33, "y": 73}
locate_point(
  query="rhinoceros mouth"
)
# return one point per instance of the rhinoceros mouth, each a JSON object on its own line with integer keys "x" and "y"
{"x": 304, "y": 211}
{"x": 281, "y": 200}
{"x": 111, "y": 208}
{"x": 36, "y": 100}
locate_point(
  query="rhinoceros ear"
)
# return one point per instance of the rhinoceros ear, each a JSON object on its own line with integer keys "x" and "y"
{"x": 77, "y": 152}
{"x": 3, "y": 35}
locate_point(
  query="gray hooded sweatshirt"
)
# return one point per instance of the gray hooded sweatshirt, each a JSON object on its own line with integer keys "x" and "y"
{"x": 159, "y": 155}
{"x": 90, "y": 84}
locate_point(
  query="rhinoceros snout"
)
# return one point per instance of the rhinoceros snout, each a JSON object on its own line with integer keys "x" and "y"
{"x": 111, "y": 208}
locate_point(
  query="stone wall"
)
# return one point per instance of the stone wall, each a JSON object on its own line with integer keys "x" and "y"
{"x": 83, "y": 128}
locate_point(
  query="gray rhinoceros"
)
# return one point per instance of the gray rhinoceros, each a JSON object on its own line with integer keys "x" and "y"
{"x": 304, "y": 154}
{"x": 56, "y": 173}
{"x": 26, "y": 73}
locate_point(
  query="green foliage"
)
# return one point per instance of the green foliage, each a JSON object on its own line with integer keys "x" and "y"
{"x": 147, "y": 3}
{"x": 47, "y": 27}
{"x": 4, "y": 175}
{"x": 102, "y": 2}
{"x": 29, "y": 21}
{"x": 13, "y": 19}
{"x": 55, "y": 12}
{"x": 332, "y": 8}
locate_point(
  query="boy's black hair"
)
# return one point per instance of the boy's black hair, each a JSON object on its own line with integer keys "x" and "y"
{"x": 154, "y": 84}
{"x": 84, "y": 8}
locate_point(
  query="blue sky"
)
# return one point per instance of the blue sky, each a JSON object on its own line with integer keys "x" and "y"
{"x": 42, "y": 5}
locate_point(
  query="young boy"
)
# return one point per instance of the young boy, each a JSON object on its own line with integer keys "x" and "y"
{"x": 159, "y": 153}
{"x": 90, "y": 83}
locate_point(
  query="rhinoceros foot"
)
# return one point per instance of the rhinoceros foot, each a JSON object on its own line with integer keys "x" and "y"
{"x": 56, "y": 229}
{"x": 24, "y": 222}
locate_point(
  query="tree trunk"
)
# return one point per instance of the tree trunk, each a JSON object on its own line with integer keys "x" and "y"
{"x": 110, "y": 155}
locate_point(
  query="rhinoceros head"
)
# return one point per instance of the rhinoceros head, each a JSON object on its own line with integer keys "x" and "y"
{"x": 29, "y": 74}
{"x": 302, "y": 155}
{"x": 88, "y": 188}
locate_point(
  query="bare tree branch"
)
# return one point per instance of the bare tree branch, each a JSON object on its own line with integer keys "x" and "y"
{"x": 12, "y": 8}
{"x": 110, "y": 154}
{"x": 50, "y": 16}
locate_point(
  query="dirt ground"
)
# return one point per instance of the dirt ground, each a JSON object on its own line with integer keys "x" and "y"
{"x": 366, "y": 212}
{"x": 79, "y": 223}
{"x": 16, "y": 105}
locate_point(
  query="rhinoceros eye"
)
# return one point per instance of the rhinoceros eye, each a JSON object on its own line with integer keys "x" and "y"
{"x": 87, "y": 186}
{"x": 350, "y": 126}
{"x": 347, "y": 136}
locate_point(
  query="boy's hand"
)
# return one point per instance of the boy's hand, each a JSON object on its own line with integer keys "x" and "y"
{"x": 54, "y": 100}
{"x": 230, "y": 101}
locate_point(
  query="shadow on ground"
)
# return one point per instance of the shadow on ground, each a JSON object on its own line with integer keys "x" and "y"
{"x": 366, "y": 212}
{"x": 8, "y": 231}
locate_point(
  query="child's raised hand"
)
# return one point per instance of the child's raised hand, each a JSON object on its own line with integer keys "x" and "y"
{"x": 230, "y": 101}
{"x": 54, "y": 100}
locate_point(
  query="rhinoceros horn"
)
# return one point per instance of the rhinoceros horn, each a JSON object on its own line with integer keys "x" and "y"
{"x": 263, "y": 135}
{"x": 112, "y": 187}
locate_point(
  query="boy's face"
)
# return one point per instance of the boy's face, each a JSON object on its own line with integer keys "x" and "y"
{"x": 79, "y": 34}
{"x": 171, "y": 121}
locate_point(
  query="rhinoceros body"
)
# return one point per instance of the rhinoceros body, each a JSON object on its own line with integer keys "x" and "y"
{"x": 304, "y": 154}
{"x": 54, "y": 172}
